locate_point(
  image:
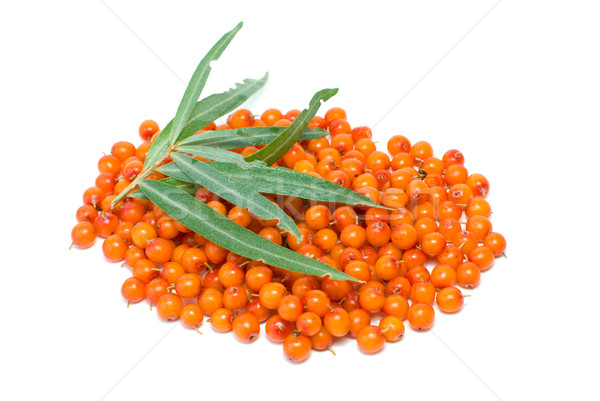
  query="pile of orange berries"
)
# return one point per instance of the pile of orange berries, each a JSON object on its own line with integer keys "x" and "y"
{"x": 437, "y": 216}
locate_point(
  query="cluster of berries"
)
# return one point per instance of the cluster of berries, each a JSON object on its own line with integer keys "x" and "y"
{"x": 432, "y": 237}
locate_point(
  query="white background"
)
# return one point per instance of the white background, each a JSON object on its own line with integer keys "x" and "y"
{"x": 519, "y": 95}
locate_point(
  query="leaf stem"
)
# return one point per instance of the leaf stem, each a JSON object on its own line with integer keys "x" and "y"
{"x": 145, "y": 173}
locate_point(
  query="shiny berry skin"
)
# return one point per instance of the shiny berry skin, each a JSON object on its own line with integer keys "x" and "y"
{"x": 370, "y": 340}
{"x": 155, "y": 289}
{"x": 296, "y": 347}
{"x": 278, "y": 329}
{"x": 83, "y": 234}
{"x": 246, "y": 327}
{"x": 133, "y": 290}
{"x": 420, "y": 316}
{"x": 391, "y": 328}
{"x": 240, "y": 119}
{"x": 114, "y": 248}
{"x": 495, "y": 242}
{"x": 468, "y": 275}
{"x": 290, "y": 307}
{"x": 169, "y": 306}
{"x": 191, "y": 316}
{"x": 147, "y": 129}
{"x": 449, "y": 300}
{"x": 188, "y": 285}
{"x": 359, "y": 319}
{"x": 271, "y": 293}
{"x": 222, "y": 320}
{"x": 337, "y": 322}
{"x": 308, "y": 323}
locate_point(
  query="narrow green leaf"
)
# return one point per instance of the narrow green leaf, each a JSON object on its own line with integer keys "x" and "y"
{"x": 281, "y": 181}
{"x": 194, "y": 88}
{"x": 280, "y": 145}
{"x": 242, "y": 137}
{"x": 185, "y": 185}
{"x": 159, "y": 146}
{"x": 234, "y": 192}
{"x": 197, "y": 216}
{"x": 215, "y": 154}
{"x": 216, "y": 106}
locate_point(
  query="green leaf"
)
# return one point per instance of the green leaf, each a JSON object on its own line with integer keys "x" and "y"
{"x": 234, "y": 192}
{"x": 199, "y": 78}
{"x": 216, "y": 106}
{"x": 197, "y": 216}
{"x": 280, "y": 145}
{"x": 185, "y": 185}
{"x": 281, "y": 181}
{"x": 159, "y": 146}
{"x": 216, "y": 154}
{"x": 242, "y": 137}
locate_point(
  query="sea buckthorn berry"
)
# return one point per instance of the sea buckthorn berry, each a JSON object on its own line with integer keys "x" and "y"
{"x": 322, "y": 340}
{"x": 114, "y": 248}
{"x": 389, "y": 267}
{"x": 401, "y": 162}
{"x": 370, "y": 340}
{"x": 449, "y": 228}
{"x": 147, "y": 129}
{"x": 106, "y": 224}
{"x": 281, "y": 123}
{"x": 355, "y": 154}
{"x": 421, "y": 150}
{"x": 169, "y": 306}
{"x": 86, "y": 213}
{"x": 342, "y": 143}
{"x": 222, "y": 320}
{"x": 342, "y": 217}
{"x": 194, "y": 260}
{"x": 291, "y": 114}
{"x": 215, "y": 253}
{"x": 399, "y": 285}
{"x": 435, "y": 180}
{"x": 449, "y": 300}
{"x": 331, "y": 154}
{"x": 210, "y": 300}
{"x": 317, "y": 217}
{"x": 358, "y": 269}
{"x": 361, "y": 132}
{"x": 339, "y": 177}
{"x": 423, "y": 292}
{"x": 372, "y": 299}
{"x": 364, "y": 180}
{"x": 106, "y": 182}
{"x": 109, "y": 164}
{"x": 378, "y": 161}
{"x": 188, "y": 285}
{"x": 397, "y": 144}
{"x": 392, "y": 328}
{"x": 418, "y": 274}
{"x": 465, "y": 241}
{"x": 480, "y": 226}
{"x": 337, "y": 322}
{"x": 404, "y": 236}
{"x": 449, "y": 210}
{"x": 400, "y": 216}
{"x": 418, "y": 192}
{"x": 443, "y": 276}
{"x": 308, "y": 323}
{"x": 353, "y": 236}
{"x": 325, "y": 238}
{"x": 495, "y": 242}
{"x": 133, "y": 290}
{"x": 294, "y": 155}
{"x": 396, "y": 305}
{"x": 258, "y": 276}
{"x": 171, "y": 271}
{"x": 132, "y": 169}
{"x": 271, "y": 293}
{"x": 93, "y": 196}
{"x": 453, "y": 157}
{"x": 335, "y": 113}
{"x": 235, "y": 298}
{"x": 479, "y": 185}
{"x": 318, "y": 122}
{"x": 159, "y": 250}
{"x": 303, "y": 285}
{"x": 296, "y": 347}
{"x": 317, "y": 301}
{"x": 230, "y": 274}
{"x": 290, "y": 307}
{"x": 155, "y": 289}
{"x": 271, "y": 116}
{"x": 240, "y": 119}
{"x": 133, "y": 254}
{"x": 83, "y": 234}
{"x": 460, "y": 194}
{"x": 246, "y": 327}
{"x": 122, "y": 150}
{"x": 339, "y": 126}
{"x": 191, "y": 316}
{"x": 316, "y": 145}
{"x": 456, "y": 174}
{"x": 394, "y": 198}
{"x": 478, "y": 207}
{"x": 240, "y": 216}
{"x": 144, "y": 270}
{"x": 303, "y": 166}
{"x": 365, "y": 146}
{"x": 142, "y": 234}
{"x": 432, "y": 166}
{"x": 132, "y": 212}
{"x": 451, "y": 256}
{"x": 413, "y": 258}
{"x": 420, "y": 316}
{"x": 468, "y": 275}
{"x": 359, "y": 319}
{"x": 482, "y": 256}
{"x": 278, "y": 329}
{"x": 433, "y": 243}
